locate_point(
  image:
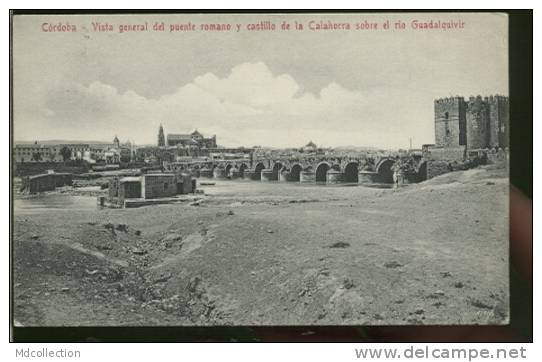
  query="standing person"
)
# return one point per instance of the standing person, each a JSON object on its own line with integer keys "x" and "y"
{"x": 397, "y": 174}
{"x": 400, "y": 176}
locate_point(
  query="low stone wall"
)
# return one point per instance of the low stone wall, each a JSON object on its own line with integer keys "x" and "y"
{"x": 445, "y": 153}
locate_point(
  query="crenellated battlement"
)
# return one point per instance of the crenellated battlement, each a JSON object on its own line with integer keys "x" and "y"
{"x": 476, "y": 99}
{"x": 449, "y": 100}
{"x": 499, "y": 98}
{"x": 477, "y": 122}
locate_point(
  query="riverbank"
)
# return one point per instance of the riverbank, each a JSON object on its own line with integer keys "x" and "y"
{"x": 253, "y": 253}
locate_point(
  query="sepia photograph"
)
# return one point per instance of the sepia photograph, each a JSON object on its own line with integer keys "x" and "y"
{"x": 260, "y": 169}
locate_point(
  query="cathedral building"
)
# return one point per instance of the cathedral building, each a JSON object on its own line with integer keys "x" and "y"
{"x": 192, "y": 140}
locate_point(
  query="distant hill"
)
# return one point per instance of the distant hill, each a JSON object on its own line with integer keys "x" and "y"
{"x": 356, "y": 148}
{"x": 55, "y": 142}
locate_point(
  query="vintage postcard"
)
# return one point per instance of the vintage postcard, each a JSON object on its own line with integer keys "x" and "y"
{"x": 260, "y": 169}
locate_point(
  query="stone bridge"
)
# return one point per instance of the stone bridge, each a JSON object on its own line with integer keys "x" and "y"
{"x": 330, "y": 170}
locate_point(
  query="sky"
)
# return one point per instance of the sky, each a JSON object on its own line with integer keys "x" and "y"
{"x": 280, "y": 88}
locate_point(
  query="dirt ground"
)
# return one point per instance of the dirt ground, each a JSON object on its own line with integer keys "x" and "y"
{"x": 254, "y": 253}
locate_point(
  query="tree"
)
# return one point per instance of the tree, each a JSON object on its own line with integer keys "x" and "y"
{"x": 66, "y": 153}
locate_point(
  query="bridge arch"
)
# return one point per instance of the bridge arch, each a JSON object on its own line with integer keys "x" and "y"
{"x": 321, "y": 171}
{"x": 228, "y": 169}
{"x": 351, "y": 171}
{"x": 242, "y": 168}
{"x": 277, "y": 166}
{"x": 258, "y": 170}
{"x": 295, "y": 172}
{"x": 422, "y": 171}
{"x": 384, "y": 170}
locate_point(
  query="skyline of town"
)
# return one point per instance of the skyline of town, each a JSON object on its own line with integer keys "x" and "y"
{"x": 275, "y": 89}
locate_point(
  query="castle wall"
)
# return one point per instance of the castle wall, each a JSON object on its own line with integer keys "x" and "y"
{"x": 477, "y": 123}
{"x": 445, "y": 153}
{"x": 450, "y": 122}
{"x": 499, "y": 120}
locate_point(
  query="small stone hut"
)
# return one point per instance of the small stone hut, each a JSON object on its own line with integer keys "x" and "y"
{"x": 158, "y": 185}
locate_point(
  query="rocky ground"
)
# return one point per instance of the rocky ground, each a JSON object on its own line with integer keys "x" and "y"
{"x": 253, "y": 253}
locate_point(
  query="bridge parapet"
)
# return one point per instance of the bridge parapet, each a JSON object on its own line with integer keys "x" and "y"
{"x": 329, "y": 169}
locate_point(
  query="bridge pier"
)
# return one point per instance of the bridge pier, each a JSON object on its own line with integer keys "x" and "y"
{"x": 268, "y": 175}
{"x": 237, "y": 174}
{"x": 284, "y": 176}
{"x": 248, "y": 175}
{"x": 334, "y": 177}
{"x": 206, "y": 172}
{"x": 367, "y": 177}
{"x": 195, "y": 173}
{"x": 307, "y": 177}
{"x": 219, "y": 173}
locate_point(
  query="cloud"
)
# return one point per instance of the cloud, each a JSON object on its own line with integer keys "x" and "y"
{"x": 251, "y": 84}
{"x": 250, "y": 105}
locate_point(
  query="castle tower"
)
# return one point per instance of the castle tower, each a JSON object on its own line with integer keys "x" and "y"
{"x": 450, "y": 122}
{"x": 499, "y": 120}
{"x": 161, "y": 138}
{"x": 116, "y": 142}
{"x": 477, "y": 123}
